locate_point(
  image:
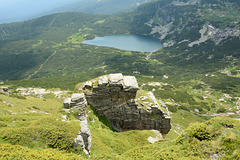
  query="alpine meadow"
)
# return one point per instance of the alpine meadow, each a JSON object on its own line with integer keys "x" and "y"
{"x": 64, "y": 99}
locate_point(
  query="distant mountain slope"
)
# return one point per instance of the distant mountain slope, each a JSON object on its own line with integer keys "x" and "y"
{"x": 200, "y": 37}
{"x": 15, "y": 10}
{"x": 26, "y": 46}
{"x": 194, "y": 32}
{"x": 193, "y": 21}
{"x": 101, "y": 6}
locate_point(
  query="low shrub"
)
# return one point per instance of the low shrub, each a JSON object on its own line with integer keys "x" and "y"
{"x": 34, "y": 107}
{"x": 183, "y": 108}
{"x": 205, "y": 106}
{"x": 213, "y": 105}
{"x": 45, "y": 132}
{"x": 201, "y": 132}
{"x": 195, "y": 130}
{"x": 200, "y": 97}
{"x": 172, "y": 108}
{"x": 2, "y": 124}
{"x": 17, "y": 96}
{"x": 16, "y": 152}
{"x": 221, "y": 110}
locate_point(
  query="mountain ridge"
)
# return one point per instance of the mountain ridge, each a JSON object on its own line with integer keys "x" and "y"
{"x": 101, "y": 6}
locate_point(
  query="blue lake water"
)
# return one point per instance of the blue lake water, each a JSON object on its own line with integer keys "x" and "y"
{"x": 127, "y": 42}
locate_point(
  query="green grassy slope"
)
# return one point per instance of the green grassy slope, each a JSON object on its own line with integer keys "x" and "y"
{"x": 30, "y": 128}
{"x": 195, "y": 82}
{"x": 27, "y": 48}
{"x": 32, "y": 125}
{"x": 216, "y": 137}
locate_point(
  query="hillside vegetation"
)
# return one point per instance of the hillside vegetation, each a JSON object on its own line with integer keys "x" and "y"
{"x": 30, "y": 126}
{"x": 196, "y": 75}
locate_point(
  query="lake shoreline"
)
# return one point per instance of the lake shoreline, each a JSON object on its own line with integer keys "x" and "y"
{"x": 130, "y": 42}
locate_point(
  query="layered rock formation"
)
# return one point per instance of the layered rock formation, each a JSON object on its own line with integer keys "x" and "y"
{"x": 119, "y": 99}
{"x": 78, "y": 104}
{"x": 115, "y": 97}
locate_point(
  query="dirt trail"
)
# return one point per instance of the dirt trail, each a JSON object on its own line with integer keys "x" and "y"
{"x": 148, "y": 56}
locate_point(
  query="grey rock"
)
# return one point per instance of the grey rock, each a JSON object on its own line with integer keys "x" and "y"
{"x": 214, "y": 156}
{"x": 196, "y": 110}
{"x": 88, "y": 84}
{"x": 115, "y": 79}
{"x": 86, "y": 134}
{"x": 116, "y": 100}
{"x": 78, "y": 102}
{"x": 162, "y": 104}
{"x": 103, "y": 81}
{"x": 130, "y": 83}
{"x": 76, "y": 97}
{"x": 66, "y": 103}
{"x": 5, "y": 89}
{"x": 64, "y": 117}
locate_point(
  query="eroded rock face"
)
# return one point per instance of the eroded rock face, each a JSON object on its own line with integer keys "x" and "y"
{"x": 78, "y": 104}
{"x": 114, "y": 96}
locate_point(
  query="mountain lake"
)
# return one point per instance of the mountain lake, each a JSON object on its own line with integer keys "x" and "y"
{"x": 127, "y": 42}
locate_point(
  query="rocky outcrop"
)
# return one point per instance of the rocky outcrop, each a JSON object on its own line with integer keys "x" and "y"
{"x": 77, "y": 103}
{"x": 186, "y": 3}
{"x": 115, "y": 97}
{"x": 221, "y": 35}
{"x": 193, "y": 26}
{"x": 119, "y": 99}
{"x": 217, "y": 35}
{"x": 4, "y": 89}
